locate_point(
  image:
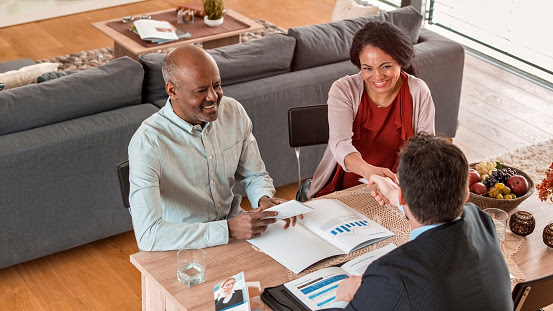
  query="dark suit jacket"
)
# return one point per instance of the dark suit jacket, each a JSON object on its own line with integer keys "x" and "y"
{"x": 456, "y": 266}
{"x": 236, "y": 298}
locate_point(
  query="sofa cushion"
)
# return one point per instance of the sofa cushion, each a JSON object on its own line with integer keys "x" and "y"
{"x": 25, "y": 75}
{"x": 107, "y": 87}
{"x": 322, "y": 44}
{"x": 264, "y": 57}
{"x": 153, "y": 87}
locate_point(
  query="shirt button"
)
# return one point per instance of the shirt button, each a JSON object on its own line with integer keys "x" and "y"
{"x": 211, "y": 157}
{"x": 212, "y": 182}
{"x": 219, "y": 205}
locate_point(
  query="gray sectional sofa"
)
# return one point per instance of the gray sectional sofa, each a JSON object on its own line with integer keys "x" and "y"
{"x": 60, "y": 140}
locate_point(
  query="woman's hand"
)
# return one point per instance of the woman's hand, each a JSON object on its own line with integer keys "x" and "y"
{"x": 354, "y": 163}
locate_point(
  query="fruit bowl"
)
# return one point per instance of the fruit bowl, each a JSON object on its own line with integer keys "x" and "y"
{"x": 507, "y": 205}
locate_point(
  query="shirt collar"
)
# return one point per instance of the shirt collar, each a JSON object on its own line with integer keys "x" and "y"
{"x": 416, "y": 232}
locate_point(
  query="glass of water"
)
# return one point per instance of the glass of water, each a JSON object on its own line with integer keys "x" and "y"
{"x": 191, "y": 269}
{"x": 499, "y": 218}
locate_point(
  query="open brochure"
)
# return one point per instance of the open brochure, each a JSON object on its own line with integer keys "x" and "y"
{"x": 155, "y": 31}
{"x": 331, "y": 229}
{"x": 318, "y": 289}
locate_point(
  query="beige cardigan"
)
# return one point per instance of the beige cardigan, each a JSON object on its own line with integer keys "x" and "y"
{"x": 344, "y": 98}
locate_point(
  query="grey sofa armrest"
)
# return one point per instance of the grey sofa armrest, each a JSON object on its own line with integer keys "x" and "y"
{"x": 440, "y": 62}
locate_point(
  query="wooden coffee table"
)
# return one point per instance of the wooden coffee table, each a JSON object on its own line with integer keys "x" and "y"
{"x": 124, "y": 46}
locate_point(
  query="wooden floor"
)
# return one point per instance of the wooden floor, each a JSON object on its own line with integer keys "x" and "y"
{"x": 499, "y": 112}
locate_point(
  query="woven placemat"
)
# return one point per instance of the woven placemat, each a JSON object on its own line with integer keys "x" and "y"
{"x": 510, "y": 247}
{"x": 360, "y": 199}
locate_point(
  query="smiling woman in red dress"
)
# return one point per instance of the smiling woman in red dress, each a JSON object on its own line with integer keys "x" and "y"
{"x": 372, "y": 113}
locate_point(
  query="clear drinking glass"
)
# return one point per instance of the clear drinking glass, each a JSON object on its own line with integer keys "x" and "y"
{"x": 191, "y": 269}
{"x": 499, "y": 218}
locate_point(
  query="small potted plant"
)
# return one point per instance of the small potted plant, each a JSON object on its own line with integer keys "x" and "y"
{"x": 214, "y": 10}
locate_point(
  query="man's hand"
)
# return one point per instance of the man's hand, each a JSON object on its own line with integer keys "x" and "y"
{"x": 249, "y": 225}
{"x": 266, "y": 202}
{"x": 383, "y": 189}
{"x": 348, "y": 288}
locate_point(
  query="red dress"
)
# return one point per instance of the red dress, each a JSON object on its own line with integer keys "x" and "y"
{"x": 378, "y": 133}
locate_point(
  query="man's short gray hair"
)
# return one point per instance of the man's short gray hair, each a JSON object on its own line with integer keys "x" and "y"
{"x": 169, "y": 69}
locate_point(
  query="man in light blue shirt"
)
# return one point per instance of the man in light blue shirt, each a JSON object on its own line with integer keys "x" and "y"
{"x": 185, "y": 159}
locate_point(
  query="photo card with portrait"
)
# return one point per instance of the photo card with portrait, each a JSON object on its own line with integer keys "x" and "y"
{"x": 232, "y": 294}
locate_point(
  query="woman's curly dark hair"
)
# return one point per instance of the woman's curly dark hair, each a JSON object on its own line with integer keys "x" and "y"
{"x": 390, "y": 39}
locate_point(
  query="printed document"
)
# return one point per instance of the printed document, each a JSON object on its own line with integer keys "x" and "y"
{"x": 331, "y": 229}
{"x": 317, "y": 290}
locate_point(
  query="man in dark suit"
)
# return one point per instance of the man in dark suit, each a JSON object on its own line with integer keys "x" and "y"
{"x": 453, "y": 260}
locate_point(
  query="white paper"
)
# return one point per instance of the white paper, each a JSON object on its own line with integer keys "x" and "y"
{"x": 318, "y": 235}
{"x": 357, "y": 266}
{"x": 289, "y": 209}
{"x": 296, "y": 248}
{"x": 318, "y": 289}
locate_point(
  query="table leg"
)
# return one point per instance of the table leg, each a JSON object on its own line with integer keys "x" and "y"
{"x": 221, "y": 42}
{"x": 153, "y": 297}
{"x": 120, "y": 51}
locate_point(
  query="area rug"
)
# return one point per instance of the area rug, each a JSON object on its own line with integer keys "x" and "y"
{"x": 14, "y": 12}
{"x": 88, "y": 59}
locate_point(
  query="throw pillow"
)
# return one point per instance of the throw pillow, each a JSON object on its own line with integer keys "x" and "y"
{"x": 322, "y": 44}
{"x": 26, "y": 75}
{"x": 346, "y": 9}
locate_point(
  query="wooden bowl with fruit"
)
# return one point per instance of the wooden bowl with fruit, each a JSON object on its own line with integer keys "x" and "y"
{"x": 496, "y": 185}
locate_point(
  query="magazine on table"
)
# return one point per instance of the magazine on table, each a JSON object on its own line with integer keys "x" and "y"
{"x": 331, "y": 229}
{"x": 158, "y": 31}
{"x": 317, "y": 290}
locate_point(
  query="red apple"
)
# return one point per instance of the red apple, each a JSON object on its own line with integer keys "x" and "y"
{"x": 474, "y": 177}
{"x": 518, "y": 185}
{"x": 478, "y": 188}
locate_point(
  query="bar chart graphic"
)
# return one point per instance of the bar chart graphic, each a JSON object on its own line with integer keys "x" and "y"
{"x": 349, "y": 227}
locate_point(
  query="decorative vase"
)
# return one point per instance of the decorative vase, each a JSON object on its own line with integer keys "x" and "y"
{"x": 548, "y": 235}
{"x": 213, "y": 22}
{"x": 522, "y": 223}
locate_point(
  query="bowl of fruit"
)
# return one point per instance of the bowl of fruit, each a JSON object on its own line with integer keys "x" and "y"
{"x": 493, "y": 184}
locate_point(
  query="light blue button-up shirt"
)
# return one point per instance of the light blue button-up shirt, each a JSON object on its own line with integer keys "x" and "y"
{"x": 182, "y": 175}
